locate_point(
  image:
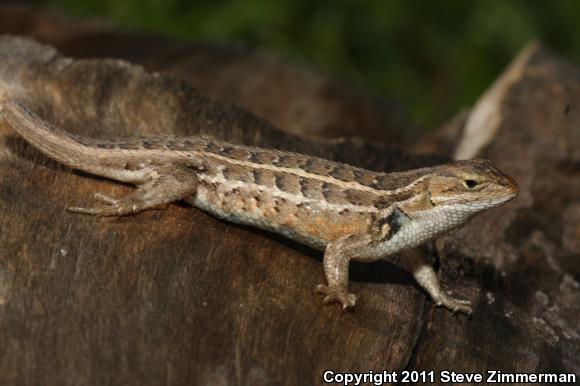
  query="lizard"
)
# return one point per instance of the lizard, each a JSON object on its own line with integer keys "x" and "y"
{"x": 348, "y": 213}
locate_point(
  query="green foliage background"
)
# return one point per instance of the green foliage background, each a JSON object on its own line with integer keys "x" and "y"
{"x": 433, "y": 56}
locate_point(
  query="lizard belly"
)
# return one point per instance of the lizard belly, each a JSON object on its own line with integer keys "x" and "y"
{"x": 307, "y": 223}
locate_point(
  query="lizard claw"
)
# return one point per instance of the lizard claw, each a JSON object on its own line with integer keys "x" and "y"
{"x": 336, "y": 294}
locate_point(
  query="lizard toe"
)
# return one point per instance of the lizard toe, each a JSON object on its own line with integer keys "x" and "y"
{"x": 455, "y": 305}
{"x": 338, "y": 295}
{"x": 78, "y": 209}
{"x": 104, "y": 199}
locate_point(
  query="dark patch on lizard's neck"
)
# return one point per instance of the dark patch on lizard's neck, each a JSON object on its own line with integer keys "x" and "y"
{"x": 396, "y": 220}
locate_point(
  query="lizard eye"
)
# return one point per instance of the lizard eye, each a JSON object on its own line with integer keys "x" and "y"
{"x": 470, "y": 184}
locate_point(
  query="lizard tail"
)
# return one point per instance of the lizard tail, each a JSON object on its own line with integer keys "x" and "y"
{"x": 55, "y": 143}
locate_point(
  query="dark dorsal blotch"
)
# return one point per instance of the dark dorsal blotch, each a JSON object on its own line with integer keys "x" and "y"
{"x": 171, "y": 145}
{"x": 257, "y": 176}
{"x": 358, "y": 174}
{"x": 310, "y": 188}
{"x": 342, "y": 173}
{"x": 381, "y": 182}
{"x": 235, "y": 152}
{"x": 317, "y": 166}
{"x": 288, "y": 160}
{"x": 326, "y": 191}
{"x": 307, "y": 164}
{"x": 212, "y": 147}
{"x": 280, "y": 182}
{"x": 303, "y": 185}
{"x": 334, "y": 194}
{"x": 238, "y": 173}
{"x": 254, "y": 157}
{"x": 365, "y": 177}
{"x": 357, "y": 197}
{"x": 263, "y": 177}
{"x": 226, "y": 173}
{"x": 202, "y": 167}
{"x": 382, "y": 203}
{"x": 105, "y": 145}
{"x": 281, "y": 160}
{"x": 228, "y": 150}
{"x": 261, "y": 157}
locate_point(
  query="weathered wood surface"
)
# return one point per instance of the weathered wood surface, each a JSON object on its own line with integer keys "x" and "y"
{"x": 295, "y": 98}
{"x": 178, "y": 297}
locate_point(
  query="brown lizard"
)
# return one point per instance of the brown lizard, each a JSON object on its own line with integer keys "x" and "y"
{"x": 347, "y": 212}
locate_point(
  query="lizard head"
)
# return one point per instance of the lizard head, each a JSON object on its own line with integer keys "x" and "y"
{"x": 472, "y": 186}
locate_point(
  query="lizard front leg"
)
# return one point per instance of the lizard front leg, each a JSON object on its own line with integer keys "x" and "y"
{"x": 425, "y": 275}
{"x": 337, "y": 257}
{"x": 168, "y": 183}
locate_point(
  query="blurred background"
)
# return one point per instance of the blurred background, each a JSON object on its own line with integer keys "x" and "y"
{"x": 433, "y": 56}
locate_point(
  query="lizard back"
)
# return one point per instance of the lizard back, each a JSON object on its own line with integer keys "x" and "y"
{"x": 308, "y": 199}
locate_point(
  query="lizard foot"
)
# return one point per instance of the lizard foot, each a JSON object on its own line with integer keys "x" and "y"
{"x": 336, "y": 294}
{"x": 110, "y": 206}
{"x": 455, "y": 305}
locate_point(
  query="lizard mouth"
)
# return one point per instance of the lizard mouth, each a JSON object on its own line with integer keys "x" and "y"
{"x": 512, "y": 187}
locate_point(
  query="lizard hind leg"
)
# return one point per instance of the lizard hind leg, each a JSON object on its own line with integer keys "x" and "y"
{"x": 168, "y": 183}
